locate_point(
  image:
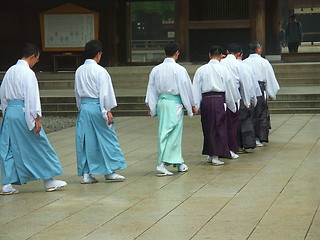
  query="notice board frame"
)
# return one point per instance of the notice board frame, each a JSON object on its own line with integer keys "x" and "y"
{"x": 69, "y": 10}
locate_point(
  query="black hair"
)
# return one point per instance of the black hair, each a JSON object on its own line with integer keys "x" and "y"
{"x": 92, "y": 48}
{"x": 215, "y": 51}
{"x": 234, "y": 48}
{"x": 253, "y": 46}
{"x": 293, "y": 16}
{"x": 30, "y": 49}
{"x": 171, "y": 48}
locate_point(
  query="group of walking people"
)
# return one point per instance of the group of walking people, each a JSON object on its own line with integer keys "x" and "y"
{"x": 231, "y": 95}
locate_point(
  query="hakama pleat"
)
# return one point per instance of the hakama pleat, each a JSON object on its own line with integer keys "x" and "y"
{"x": 232, "y": 126}
{"x": 261, "y": 119}
{"x": 214, "y": 125}
{"x": 25, "y": 156}
{"x": 246, "y": 133}
{"x": 170, "y": 130}
{"x": 97, "y": 146}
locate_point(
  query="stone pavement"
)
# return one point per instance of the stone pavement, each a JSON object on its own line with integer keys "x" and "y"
{"x": 270, "y": 193}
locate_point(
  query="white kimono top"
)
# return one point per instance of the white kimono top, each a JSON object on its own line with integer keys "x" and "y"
{"x": 242, "y": 81}
{"x": 264, "y": 73}
{"x": 20, "y": 83}
{"x": 169, "y": 77}
{"x": 248, "y": 72}
{"x": 93, "y": 81}
{"x": 214, "y": 77}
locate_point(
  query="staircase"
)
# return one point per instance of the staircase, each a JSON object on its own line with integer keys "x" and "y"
{"x": 57, "y": 94}
{"x": 299, "y": 88}
{"x": 299, "y": 93}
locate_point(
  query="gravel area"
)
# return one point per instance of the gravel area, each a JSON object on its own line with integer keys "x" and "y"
{"x": 54, "y": 123}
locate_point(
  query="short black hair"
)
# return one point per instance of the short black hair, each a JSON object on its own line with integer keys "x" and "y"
{"x": 215, "y": 51}
{"x": 293, "y": 16}
{"x": 171, "y": 48}
{"x": 253, "y": 46}
{"x": 92, "y": 48}
{"x": 234, "y": 48}
{"x": 30, "y": 49}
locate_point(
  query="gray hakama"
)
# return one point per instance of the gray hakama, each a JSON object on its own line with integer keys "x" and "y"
{"x": 261, "y": 120}
{"x": 246, "y": 133}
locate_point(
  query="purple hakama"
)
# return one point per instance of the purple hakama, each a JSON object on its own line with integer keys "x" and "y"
{"x": 214, "y": 125}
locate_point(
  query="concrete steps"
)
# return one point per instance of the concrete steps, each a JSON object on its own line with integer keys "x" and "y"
{"x": 299, "y": 93}
{"x": 300, "y": 57}
{"x": 300, "y": 88}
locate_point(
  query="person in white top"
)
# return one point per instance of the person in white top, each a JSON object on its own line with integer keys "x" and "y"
{"x": 169, "y": 90}
{"x": 269, "y": 86}
{"x": 245, "y": 90}
{"x": 246, "y": 134}
{"x": 98, "y": 148}
{"x": 214, "y": 91}
{"x": 25, "y": 152}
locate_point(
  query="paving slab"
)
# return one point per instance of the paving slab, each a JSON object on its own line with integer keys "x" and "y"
{"x": 270, "y": 193}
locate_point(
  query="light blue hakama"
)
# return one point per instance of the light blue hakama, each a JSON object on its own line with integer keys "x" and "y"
{"x": 170, "y": 130}
{"x": 98, "y": 148}
{"x": 24, "y": 155}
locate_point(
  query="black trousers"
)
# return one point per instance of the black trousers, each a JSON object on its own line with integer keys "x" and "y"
{"x": 293, "y": 47}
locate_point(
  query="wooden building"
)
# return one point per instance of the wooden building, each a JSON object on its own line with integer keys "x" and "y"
{"x": 194, "y": 24}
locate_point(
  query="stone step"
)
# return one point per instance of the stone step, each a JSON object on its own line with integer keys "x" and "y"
{"x": 297, "y": 97}
{"x": 286, "y": 81}
{"x": 295, "y": 111}
{"x": 301, "y": 74}
{"x": 61, "y": 84}
{"x": 116, "y": 113}
{"x": 294, "y": 104}
{"x": 72, "y": 106}
{"x": 142, "y": 83}
{"x": 300, "y": 57}
{"x": 296, "y": 67}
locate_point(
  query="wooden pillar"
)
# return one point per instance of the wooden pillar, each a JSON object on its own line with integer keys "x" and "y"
{"x": 123, "y": 37}
{"x": 110, "y": 35}
{"x": 272, "y": 20}
{"x": 258, "y": 21}
{"x": 182, "y": 28}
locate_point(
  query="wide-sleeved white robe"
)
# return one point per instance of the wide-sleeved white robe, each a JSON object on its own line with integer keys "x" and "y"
{"x": 263, "y": 72}
{"x": 214, "y": 77}
{"x": 98, "y": 148}
{"x": 20, "y": 83}
{"x": 24, "y": 155}
{"x": 169, "y": 89}
{"x": 169, "y": 77}
{"x": 213, "y": 88}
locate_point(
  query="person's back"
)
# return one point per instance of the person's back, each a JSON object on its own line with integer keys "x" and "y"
{"x": 293, "y": 34}
{"x": 98, "y": 148}
{"x": 16, "y": 79}
{"x": 169, "y": 90}
{"x": 25, "y": 149}
{"x": 166, "y": 76}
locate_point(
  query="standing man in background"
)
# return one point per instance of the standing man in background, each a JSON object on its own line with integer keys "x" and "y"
{"x": 169, "y": 90}
{"x": 25, "y": 152}
{"x": 293, "y": 34}
{"x": 98, "y": 148}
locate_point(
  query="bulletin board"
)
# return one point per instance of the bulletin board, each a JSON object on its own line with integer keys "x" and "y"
{"x": 68, "y": 28}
